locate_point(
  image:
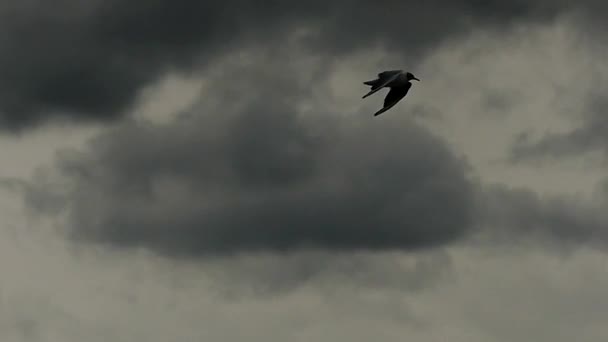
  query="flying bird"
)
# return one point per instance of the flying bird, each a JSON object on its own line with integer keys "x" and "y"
{"x": 397, "y": 80}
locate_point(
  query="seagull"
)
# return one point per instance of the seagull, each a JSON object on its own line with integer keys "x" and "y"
{"x": 397, "y": 80}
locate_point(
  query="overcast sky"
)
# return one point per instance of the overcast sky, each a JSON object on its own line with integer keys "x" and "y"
{"x": 207, "y": 171}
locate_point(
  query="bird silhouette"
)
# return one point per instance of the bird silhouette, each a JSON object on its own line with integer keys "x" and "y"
{"x": 399, "y": 83}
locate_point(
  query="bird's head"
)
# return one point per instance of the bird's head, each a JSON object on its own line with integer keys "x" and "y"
{"x": 411, "y": 76}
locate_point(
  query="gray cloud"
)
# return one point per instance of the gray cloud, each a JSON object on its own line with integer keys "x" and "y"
{"x": 88, "y": 61}
{"x": 587, "y": 137}
{"x": 521, "y": 215}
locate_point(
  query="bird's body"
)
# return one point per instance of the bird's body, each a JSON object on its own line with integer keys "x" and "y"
{"x": 398, "y": 81}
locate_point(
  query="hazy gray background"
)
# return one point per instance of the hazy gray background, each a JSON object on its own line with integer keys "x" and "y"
{"x": 191, "y": 170}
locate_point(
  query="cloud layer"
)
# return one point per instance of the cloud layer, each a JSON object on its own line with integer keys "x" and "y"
{"x": 366, "y": 227}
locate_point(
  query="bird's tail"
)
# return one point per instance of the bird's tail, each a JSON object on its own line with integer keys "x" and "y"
{"x": 371, "y": 82}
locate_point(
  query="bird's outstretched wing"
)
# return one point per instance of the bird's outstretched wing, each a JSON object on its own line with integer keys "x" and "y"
{"x": 394, "y": 95}
{"x": 389, "y": 73}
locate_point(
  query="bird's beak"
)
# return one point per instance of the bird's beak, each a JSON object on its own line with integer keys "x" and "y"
{"x": 415, "y": 78}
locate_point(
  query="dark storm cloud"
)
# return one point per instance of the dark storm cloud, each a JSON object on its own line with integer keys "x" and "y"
{"x": 262, "y": 178}
{"x": 396, "y": 189}
{"x": 589, "y": 136}
{"x": 88, "y": 60}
